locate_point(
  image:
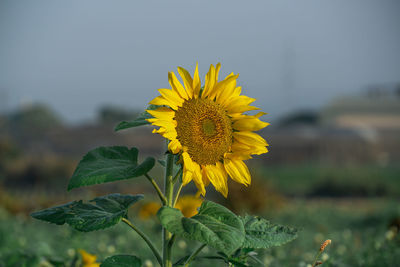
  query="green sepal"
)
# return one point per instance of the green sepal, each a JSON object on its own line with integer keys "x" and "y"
{"x": 85, "y": 217}
{"x": 109, "y": 164}
{"x": 139, "y": 121}
{"x": 122, "y": 261}
{"x": 261, "y": 233}
{"x": 214, "y": 225}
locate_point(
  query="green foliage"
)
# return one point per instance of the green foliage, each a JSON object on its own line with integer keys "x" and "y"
{"x": 214, "y": 225}
{"x": 260, "y": 233}
{"x": 34, "y": 118}
{"x": 322, "y": 180}
{"x": 358, "y": 230}
{"x": 122, "y": 261}
{"x": 21, "y": 260}
{"x": 108, "y": 164}
{"x": 106, "y": 212}
{"x": 139, "y": 121}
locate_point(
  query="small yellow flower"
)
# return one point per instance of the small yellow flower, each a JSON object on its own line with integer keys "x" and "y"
{"x": 208, "y": 129}
{"x": 188, "y": 205}
{"x": 89, "y": 260}
{"x": 149, "y": 210}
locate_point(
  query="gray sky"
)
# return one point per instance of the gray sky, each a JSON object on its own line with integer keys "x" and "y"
{"x": 77, "y": 55}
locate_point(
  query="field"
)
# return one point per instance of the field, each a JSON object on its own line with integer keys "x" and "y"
{"x": 361, "y": 221}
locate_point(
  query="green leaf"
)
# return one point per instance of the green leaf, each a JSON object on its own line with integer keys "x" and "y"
{"x": 139, "y": 121}
{"x": 214, "y": 225}
{"x": 260, "y": 233}
{"x": 106, "y": 212}
{"x": 122, "y": 261}
{"x": 108, "y": 164}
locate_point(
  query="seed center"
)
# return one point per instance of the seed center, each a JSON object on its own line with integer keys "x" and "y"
{"x": 204, "y": 129}
{"x": 209, "y": 127}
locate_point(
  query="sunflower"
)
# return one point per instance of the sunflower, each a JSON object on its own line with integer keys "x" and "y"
{"x": 207, "y": 128}
{"x": 88, "y": 259}
{"x": 149, "y": 210}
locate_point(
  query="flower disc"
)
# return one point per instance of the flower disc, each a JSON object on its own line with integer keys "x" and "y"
{"x": 205, "y": 129}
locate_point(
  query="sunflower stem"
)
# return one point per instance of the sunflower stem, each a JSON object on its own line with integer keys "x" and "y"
{"x": 178, "y": 173}
{"x": 177, "y": 195}
{"x": 145, "y": 238}
{"x": 193, "y": 255}
{"x": 169, "y": 194}
{"x": 157, "y": 188}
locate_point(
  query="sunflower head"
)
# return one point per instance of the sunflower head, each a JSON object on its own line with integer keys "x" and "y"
{"x": 88, "y": 260}
{"x": 208, "y": 129}
{"x": 149, "y": 210}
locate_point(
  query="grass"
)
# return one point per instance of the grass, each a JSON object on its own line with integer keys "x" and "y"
{"x": 361, "y": 216}
{"x": 327, "y": 180}
{"x": 359, "y": 229}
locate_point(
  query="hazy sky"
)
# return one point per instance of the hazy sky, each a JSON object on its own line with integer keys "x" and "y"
{"x": 77, "y": 55}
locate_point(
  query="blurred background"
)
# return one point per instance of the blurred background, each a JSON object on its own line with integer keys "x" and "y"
{"x": 327, "y": 73}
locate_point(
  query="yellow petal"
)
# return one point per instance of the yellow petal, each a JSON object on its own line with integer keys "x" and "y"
{"x": 172, "y": 97}
{"x": 167, "y": 127}
{"x": 237, "y": 91}
{"x": 209, "y": 83}
{"x": 168, "y": 124}
{"x": 249, "y": 138}
{"x": 176, "y": 85}
{"x": 238, "y": 171}
{"x": 218, "y": 177}
{"x": 196, "y": 82}
{"x": 242, "y": 155}
{"x": 247, "y": 145}
{"x": 188, "y": 168}
{"x": 217, "y": 68}
{"x": 160, "y": 130}
{"x": 162, "y": 101}
{"x": 240, "y": 104}
{"x": 170, "y": 135}
{"x": 259, "y": 114}
{"x": 187, "y": 81}
{"x": 198, "y": 179}
{"x": 214, "y": 91}
{"x": 224, "y": 89}
{"x": 188, "y": 205}
{"x": 237, "y": 146}
{"x": 162, "y": 113}
{"x": 249, "y": 123}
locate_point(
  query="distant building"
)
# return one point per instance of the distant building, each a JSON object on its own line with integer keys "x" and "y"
{"x": 362, "y": 129}
{"x": 377, "y": 109}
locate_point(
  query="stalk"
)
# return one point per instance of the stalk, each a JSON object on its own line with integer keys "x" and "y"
{"x": 158, "y": 190}
{"x": 193, "y": 255}
{"x": 169, "y": 194}
{"x": 145, "y": 238}
{"x": 177, "y": 195}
